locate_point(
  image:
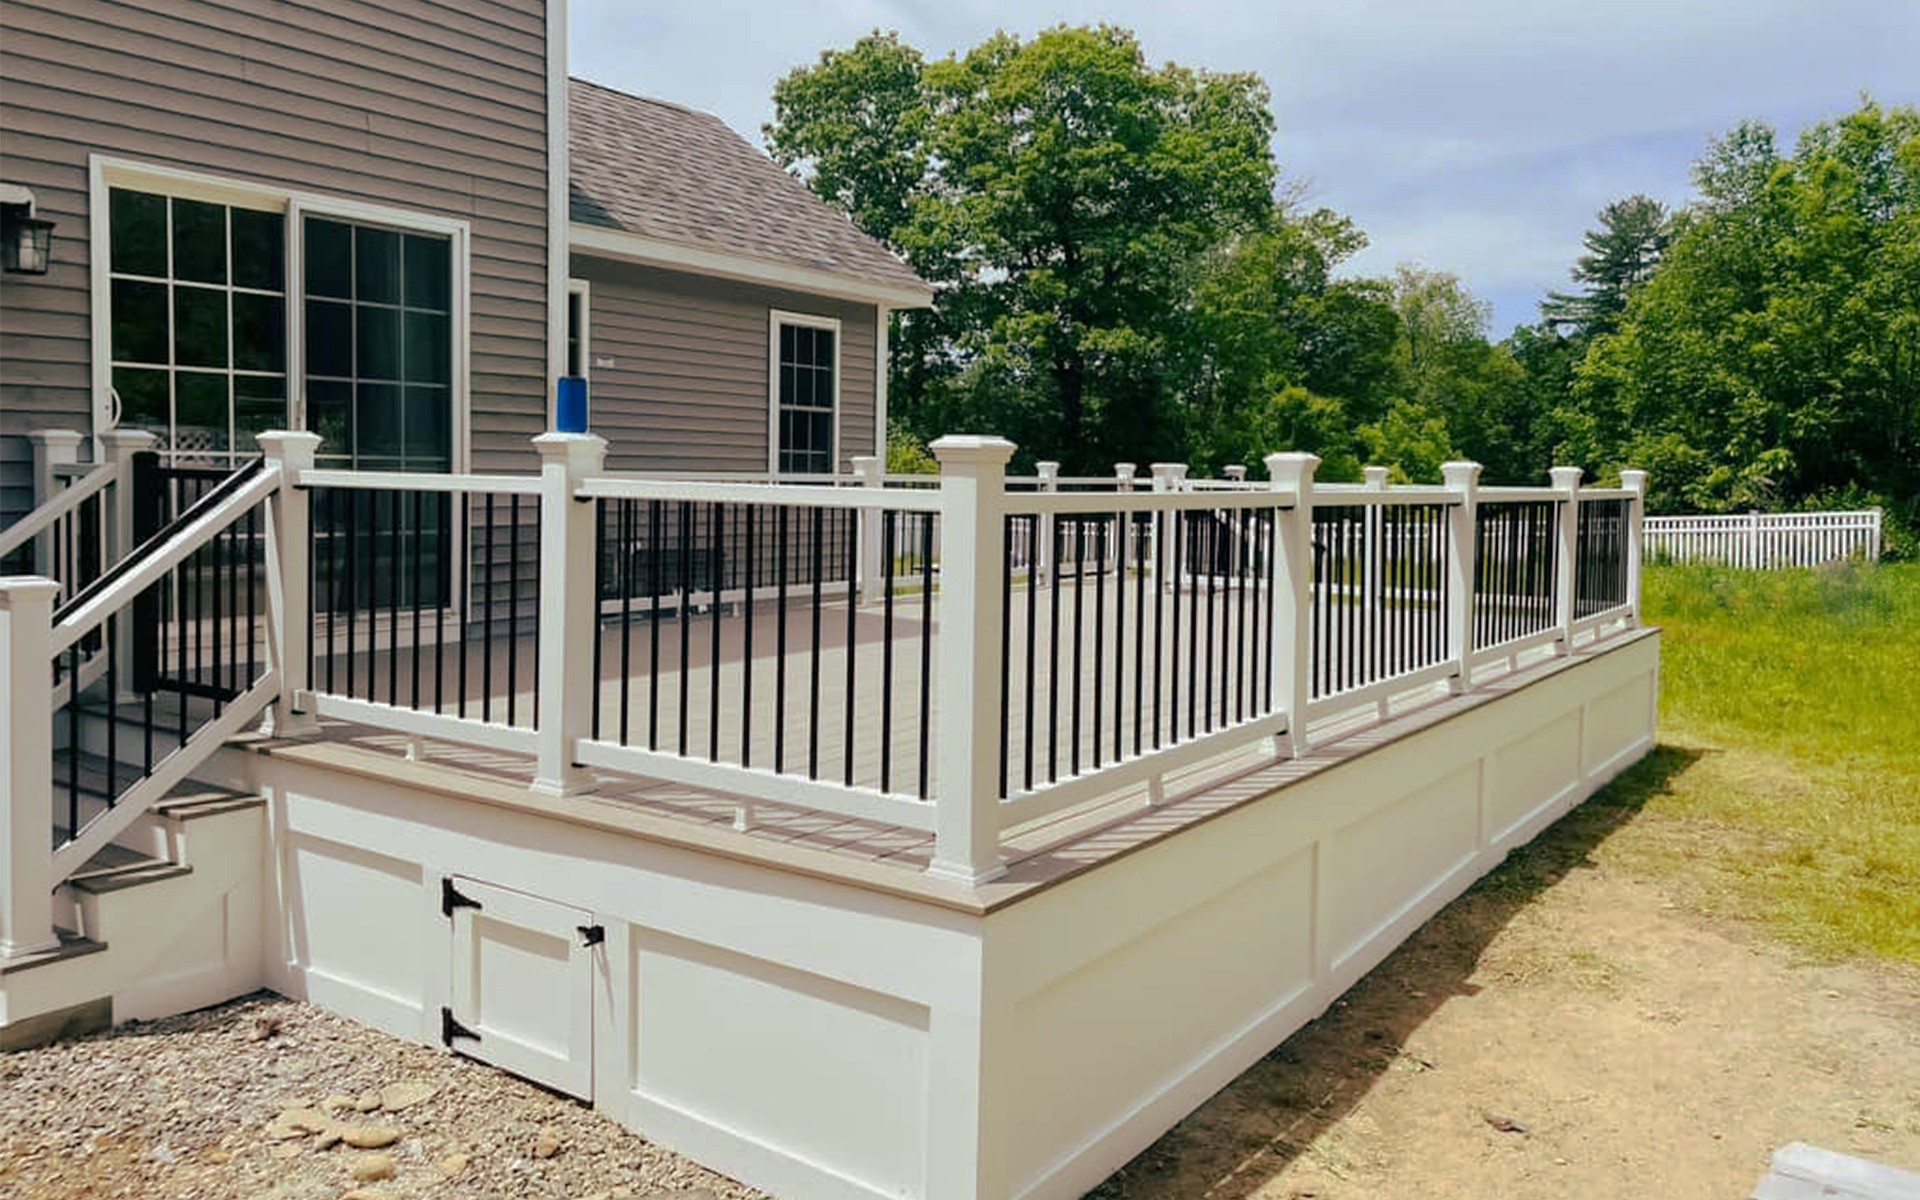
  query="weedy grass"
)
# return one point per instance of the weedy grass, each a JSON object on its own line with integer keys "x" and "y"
{"x": 1787, "y": 789}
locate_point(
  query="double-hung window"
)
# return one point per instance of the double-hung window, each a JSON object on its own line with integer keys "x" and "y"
{"x": 804, "y": 370}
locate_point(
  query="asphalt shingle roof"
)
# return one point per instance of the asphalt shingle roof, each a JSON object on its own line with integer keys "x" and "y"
{"x": 659, "y": 170}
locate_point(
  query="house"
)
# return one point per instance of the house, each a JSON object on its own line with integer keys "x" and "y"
{"x": 659, "y": 771}
{"x": 305, "y": 226}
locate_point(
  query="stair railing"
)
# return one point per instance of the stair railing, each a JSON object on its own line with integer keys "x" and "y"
{"x": 205, "y": 592}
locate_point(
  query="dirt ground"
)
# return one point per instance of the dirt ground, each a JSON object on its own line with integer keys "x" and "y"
{"x": 1630, "y": 1046}
{"x": 1633, "y": 1048}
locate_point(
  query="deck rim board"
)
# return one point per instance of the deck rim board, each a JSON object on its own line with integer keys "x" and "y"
{"x": 898, "y": 872}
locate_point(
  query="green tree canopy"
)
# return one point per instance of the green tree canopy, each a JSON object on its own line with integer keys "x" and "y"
{"x": 1775, "y": 355}
{"x": 1061, "y": 194}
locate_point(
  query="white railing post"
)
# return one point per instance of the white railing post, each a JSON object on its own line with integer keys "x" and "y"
{"x": 118, "y": 446}
{"x": 26, "y": 766}
{"x": 1290, "y": 477}
{"x": 1873, "y": 533}
{"x": 1049, "y": 473}
{"x": 1373, "y": 563}
{"x": 870, "y": 470}
{"x": 50, "y": 448}
{"x": 1566, "y": 481}
{"x": 1235, "y": 473}
{"x": 1163, "y": 481}
{"x": 1635, "y": 482}
{"x": 1123, "y": 474}
{"x": 1464, "y": 478}
{"x": 569, "y": 609}
{"x": 967, "y": 818}
{"x": 290, "y": 611}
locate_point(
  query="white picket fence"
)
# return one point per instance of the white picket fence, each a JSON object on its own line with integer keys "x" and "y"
{"x": 1764, "y": 540}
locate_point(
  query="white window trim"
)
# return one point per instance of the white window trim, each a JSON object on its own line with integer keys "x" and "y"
{"x": 583, "y": 289}
{"x": 775, "y": 319}
{"x": 105, "y": 172}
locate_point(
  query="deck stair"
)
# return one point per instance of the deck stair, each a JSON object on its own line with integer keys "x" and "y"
{"x": 162, "y": 919}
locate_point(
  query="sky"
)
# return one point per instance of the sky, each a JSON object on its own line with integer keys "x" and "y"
{"x": 1478, "y": 137}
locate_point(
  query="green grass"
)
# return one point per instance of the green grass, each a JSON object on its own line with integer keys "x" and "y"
{"x": 1788, "y": 791}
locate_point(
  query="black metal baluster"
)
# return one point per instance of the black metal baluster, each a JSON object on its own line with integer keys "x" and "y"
{"x": 813, "y": 676}
{"x": 486, "y": 631}
{"x": 714, "y": 564}
{"x": 654, "y": 560}
{"x": 443, "y": 598}
{"x": 751, "y": 559}
{"x": 513, "y": 606}
{"x": 1211, "y": 535}
{"x": 623, "y": 547}
{"x": 1033, "y": 604}
{"x": 926, "y": 646}
{"x": 886, "y": 651}
{"x": 780, "y": 649}
{"x": 419, "y": 536}
{"x": 463, "y": 538}
{"x": 1006, "y": 646}
{"x": 1099, "y": 632}
{"x": 1053, "y": 655}
{"x": 1079, "y": 623}
{"x": 686, "y": 616}
{"x": 850, "y": 537}
{"x": 73, "y": 740}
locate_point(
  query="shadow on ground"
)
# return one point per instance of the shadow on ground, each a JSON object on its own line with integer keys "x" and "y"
{"x": 1253, "y": 1129}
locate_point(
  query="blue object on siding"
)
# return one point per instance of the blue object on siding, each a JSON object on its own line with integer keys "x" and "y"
{"x": 570, "y": 408}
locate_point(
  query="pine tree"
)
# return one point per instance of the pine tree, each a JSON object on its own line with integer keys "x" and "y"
{"x": 1621, "y": 255}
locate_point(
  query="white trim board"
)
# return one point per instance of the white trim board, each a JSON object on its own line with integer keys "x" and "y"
{"x": 628, "y": 247}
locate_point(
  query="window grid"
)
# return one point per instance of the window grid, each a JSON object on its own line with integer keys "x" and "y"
{"x": 345, "y": 446}
{"x": 806, "y": 396}
{"x": 229, "y": 451}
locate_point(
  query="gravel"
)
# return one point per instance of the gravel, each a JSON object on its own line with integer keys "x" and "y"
{"x": 208, "y": 1106}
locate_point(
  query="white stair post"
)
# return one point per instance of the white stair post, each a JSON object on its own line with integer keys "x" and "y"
{"x": 1049, "y": 473}
{"x": 290, "y": 614}
{"x": 26, "y": 766}
{"x": 50, "y": 448}
{"x": 1635, "y": 482}
{"x": 1290, "y": 477}
{"x": 569, "y": 609}
{"x": 869, "y": 469}
{"x": 1566, "y": 481}
{"x": 1464, "y": 478}
{"x": 973, "y": 489}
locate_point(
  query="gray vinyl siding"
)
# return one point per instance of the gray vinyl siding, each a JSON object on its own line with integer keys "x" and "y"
{"x": 436, "y": 108}
{"x": 688, "y": 388}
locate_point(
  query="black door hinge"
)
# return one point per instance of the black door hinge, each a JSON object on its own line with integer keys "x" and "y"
{"x": 592, "y": 935}
{"x": 450, "y": 898}
{"x": 451, "y": 1029}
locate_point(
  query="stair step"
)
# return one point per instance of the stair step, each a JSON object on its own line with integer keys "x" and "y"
{"x": 99, "y": 883}
{"x": 72, "y": 945}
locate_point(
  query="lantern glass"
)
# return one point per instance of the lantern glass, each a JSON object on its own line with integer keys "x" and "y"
{"x": 26, "y": 245}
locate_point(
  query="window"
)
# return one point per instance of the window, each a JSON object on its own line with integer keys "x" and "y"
{"x": 198, "y": 321}
{"x": 228, "y": 308}
{"x": 378, "y": 309}
{"x": 805, "y": 379}
{"x": 579, "y": 337}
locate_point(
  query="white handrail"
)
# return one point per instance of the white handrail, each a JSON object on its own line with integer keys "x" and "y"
{"x": 122, "y": 591}
{"x": 40, "y": 519}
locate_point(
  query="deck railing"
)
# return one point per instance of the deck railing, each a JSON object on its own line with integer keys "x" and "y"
{"x": 960, "y": 654}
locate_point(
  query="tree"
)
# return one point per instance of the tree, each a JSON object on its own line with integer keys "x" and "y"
{"x": 1622, "y": 254}
{"x": 1062, "y": 196}
{"x": 1775, "y": 355}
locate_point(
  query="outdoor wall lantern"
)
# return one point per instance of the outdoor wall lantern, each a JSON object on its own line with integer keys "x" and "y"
{"x": 26, "y": 241}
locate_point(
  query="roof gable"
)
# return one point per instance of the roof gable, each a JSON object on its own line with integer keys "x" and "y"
{"x": 669, "y": 174}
